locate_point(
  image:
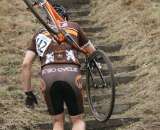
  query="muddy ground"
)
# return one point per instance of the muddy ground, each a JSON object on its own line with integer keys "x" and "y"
{"x": 134, "y": 23}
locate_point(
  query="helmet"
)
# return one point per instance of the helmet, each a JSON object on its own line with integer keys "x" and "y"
{"x": 60, "y": 9}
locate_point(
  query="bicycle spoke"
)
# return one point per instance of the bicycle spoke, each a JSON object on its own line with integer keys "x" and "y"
{"x": 91, "y": 75}
{"x": 101, "y": 107}
{"x": 104, "y": 83}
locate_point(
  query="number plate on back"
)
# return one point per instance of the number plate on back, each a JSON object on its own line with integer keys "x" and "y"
{"x": 42, "y": 42}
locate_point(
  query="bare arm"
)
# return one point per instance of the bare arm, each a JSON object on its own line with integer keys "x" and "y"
{"x": 85, "y": 44}
{"x": 26, "y": 70}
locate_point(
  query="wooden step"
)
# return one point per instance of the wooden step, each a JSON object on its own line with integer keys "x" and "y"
{"x": 112, "y": 58}
{"x": 118, "y": 108}
{"x": 117, "y": 69}
{"x": 94, "y": 29}
{"x": 120, "y": 78}
{"x": 93, "y": 124}
{"x": 84, "y": 7}
{"x": 83, "y": 21}
{"x": 110, "y": 124}
{"x": 124, "y": 77}
{"x": 94, "y": 39}
{"x": 109, "y": 47}
{"x": 78, "y": 13}
{"x": 102, "y": 96}
{"x": 117, "y": 57}
{"x": 74, "y": 3}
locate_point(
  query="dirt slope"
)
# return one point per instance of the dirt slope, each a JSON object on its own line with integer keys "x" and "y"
{"x": 16, "y": 29}
{"x": 134, "y": 23}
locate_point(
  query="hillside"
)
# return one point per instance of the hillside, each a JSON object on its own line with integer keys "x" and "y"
{"x": 136, "y": 24}
{"x": 133, "y": 23}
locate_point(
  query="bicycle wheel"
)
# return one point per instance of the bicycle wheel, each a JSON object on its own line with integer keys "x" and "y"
{"x": 100, "y": 87}
{"x": 41, "y": 14}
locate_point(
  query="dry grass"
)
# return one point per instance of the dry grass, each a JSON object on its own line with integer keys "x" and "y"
{"x": 136, "y": 24}
{"x": 16, "y": 29}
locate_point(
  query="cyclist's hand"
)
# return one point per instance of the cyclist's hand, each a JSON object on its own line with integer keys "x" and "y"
{"x": 30, "y": 100}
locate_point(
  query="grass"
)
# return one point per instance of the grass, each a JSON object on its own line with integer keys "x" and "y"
{"x": 134, "y": 23}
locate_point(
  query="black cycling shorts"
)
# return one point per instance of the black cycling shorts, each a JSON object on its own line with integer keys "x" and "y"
{"x": 63, "y": 85}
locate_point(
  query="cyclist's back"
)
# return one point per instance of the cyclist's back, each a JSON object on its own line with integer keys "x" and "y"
{"x": 51, "y": 50}
{"x": 60, "y": 65}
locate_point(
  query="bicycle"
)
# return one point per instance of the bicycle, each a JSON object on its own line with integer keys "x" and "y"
{"x": 95, "y": 64}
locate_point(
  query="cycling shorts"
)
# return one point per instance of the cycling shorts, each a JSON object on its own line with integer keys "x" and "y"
{"x": 63, "y": 84}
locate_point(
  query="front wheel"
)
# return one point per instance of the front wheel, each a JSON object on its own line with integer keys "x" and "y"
{"x": 100, "y": 87}
{"x": 41, "y": 14}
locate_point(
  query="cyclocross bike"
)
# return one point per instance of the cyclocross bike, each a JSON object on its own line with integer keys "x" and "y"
{"x": 98, "y": 69}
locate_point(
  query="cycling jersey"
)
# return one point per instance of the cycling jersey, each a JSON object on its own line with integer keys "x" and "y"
{"x": 50, "y": 51}
{"x": 60, "y": 69}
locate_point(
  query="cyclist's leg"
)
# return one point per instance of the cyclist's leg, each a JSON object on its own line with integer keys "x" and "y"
{"x": 78, "y": 123}
{"x": 56, "y": 93}
{"x": 74, "y": 100}
{"x": 58, "y": 122}
{"x": 54, "y": 100}
{"x": 71, "y": 89}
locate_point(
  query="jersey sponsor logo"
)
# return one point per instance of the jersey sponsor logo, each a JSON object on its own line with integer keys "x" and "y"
{"x": 42, "y": 42}
{"x": 59, "y": 69}
{"x": 70, "y": 55}
{"x": 49, "y": 58}
{"x": 66, "y": 56}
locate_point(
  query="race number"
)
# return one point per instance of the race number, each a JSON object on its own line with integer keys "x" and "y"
{"x": 42, "y": 42}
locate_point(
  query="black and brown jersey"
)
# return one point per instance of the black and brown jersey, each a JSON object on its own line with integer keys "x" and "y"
{"x": 51, "y": 52}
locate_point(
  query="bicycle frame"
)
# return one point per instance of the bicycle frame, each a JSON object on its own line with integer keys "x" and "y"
{"x": 57, "y": 19}
{"x": 91, "y": 74}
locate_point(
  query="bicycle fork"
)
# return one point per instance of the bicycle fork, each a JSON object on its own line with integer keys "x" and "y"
{"x": 91, "y": 74}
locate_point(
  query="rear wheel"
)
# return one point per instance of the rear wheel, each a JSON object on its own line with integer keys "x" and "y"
{"x": 100, "y": 87}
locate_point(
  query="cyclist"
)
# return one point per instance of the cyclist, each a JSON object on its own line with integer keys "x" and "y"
{"x": 60, "y": 72}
